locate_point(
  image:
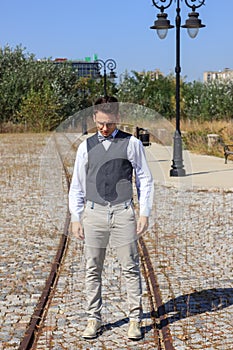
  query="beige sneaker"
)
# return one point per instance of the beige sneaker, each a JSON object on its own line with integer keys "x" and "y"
{"x": 93, "y": 326}
{"x": 134, "y": 331}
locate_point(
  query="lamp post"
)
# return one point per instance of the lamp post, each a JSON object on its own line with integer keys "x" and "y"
{"x": 109, "y": 64}
{"x": 162, "y": 24}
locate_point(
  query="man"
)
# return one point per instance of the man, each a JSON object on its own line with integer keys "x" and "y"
{"x": 100, "y": 200}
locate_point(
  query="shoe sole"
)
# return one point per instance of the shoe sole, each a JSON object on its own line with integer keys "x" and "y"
{"x": 135, "y": 338}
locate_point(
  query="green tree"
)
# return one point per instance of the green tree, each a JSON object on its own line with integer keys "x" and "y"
{"x": 39, "y": 110}
{"x": 13, "y": 83}
{"x": 21, "y": 74}
{"x": 153, "y": 93}
{"x": 208, "y": 101}
{"x": 193, "y": 97}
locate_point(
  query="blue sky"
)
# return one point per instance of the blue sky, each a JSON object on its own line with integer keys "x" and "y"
{"x": 119, "y": 30}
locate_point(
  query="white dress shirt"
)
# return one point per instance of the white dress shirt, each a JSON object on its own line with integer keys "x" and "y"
{"x": 143, "y": 178}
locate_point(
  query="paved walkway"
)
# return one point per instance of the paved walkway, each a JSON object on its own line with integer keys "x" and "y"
{"x": 205, "y": 172}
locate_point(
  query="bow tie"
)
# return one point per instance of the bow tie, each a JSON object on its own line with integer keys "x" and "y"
{"x": 101, "y": 138}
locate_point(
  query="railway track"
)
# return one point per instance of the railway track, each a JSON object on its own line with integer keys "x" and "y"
{"x": 66, "y": 148}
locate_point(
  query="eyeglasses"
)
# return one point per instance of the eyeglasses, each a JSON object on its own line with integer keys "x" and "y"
{"x": 108, "y": 125}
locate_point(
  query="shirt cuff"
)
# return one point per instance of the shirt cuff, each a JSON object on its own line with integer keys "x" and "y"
{"x": 75, "y": 218}
{"x": 145, "y": 212}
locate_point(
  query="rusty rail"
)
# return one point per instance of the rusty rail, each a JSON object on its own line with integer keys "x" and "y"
{"x": 157, "y": 306}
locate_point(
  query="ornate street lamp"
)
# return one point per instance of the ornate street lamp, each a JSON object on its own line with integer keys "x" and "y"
{"x": 109, "y": 64}
{"x": 162, "y": 24}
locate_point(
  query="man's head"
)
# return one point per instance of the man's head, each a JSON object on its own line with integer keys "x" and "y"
{"x": 106, "y": 114}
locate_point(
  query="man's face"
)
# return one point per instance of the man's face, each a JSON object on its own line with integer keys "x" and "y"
{"x": 106, "y": 123}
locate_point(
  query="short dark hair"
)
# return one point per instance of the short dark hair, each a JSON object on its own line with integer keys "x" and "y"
{"x": 107, "y": 104}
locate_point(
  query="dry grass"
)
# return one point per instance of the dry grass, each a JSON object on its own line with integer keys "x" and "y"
{"x": 195, "y": 136}
{"x": 10, "y": 127}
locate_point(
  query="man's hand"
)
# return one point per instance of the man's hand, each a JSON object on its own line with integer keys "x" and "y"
{"x": 77, "y": 230}
{"x": 142, "y": 224}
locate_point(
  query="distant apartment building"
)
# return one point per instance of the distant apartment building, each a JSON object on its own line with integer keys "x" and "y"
{"x": 153, "y": 74}
{"x": 86, "y": 68}
{"x": 226, "y": 74}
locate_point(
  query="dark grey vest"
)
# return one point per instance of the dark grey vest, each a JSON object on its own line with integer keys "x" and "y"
{"x": 109, "y": 172}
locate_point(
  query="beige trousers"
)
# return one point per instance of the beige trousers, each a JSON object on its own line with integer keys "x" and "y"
{"x": 115, "y": 225}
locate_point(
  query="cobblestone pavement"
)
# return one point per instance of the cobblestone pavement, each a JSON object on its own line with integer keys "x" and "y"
{"x": 190, "y": 243}
{"x": 191, "y": 248}
{"x": 190, "y": 252}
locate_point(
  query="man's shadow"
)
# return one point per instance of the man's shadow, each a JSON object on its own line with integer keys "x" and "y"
{"x": 183, "y": 306}
{"x": 192, "y": 304}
